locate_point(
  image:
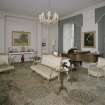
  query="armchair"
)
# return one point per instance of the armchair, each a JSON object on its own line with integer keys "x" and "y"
{"x": 97, "y": 69}
{"x": 4, "y": 64}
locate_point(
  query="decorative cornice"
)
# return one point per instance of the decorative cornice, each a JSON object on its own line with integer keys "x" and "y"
{"x": 10, "y": 14}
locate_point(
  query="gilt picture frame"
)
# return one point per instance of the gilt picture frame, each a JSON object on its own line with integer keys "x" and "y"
{"x": 89, "y": 39}
{"x": 20, "y": 38}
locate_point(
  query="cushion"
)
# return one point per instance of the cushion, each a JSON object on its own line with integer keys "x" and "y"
{"x": 66, "y": 61}
{"x": 55, "y": 53}
{"x": 51, "y": 61}
{"x": 3, "y": 59}
{"x": 44, "y": 71}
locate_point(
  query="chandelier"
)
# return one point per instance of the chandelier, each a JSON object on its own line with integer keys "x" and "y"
{"x": 48, "y": 17}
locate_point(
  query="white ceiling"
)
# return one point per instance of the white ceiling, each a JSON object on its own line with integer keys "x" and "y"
{"x": 34, "y": 7}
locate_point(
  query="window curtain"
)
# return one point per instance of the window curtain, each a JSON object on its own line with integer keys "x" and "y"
{"x": 99, "y": 13}
{"x": 100, "y": 20}
{"x": 68, "y": 37}
{"x": 78, "y": 22}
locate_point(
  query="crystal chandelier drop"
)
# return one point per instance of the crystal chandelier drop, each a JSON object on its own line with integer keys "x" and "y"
{"x": 48, "y": 17}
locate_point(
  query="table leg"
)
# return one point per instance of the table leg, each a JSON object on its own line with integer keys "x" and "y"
{"x": 62, "y": 87}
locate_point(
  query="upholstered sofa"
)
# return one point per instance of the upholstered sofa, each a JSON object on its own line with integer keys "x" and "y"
{"x": 48, "y": 67}
{"x": 4, "y": 64}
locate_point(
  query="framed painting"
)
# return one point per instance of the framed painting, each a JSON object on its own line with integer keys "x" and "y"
{"x": 89, "y": 39}
{"x": 20, "y": 38}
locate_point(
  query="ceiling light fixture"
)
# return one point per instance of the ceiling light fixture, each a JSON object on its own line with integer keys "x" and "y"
{"x": 48, "y": 17}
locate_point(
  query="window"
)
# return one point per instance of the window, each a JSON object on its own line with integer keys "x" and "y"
{"x": 68, "y": 37}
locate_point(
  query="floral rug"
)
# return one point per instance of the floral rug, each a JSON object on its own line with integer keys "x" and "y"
{"x": 24, "y": 87}
{"x": 80, "y": 95}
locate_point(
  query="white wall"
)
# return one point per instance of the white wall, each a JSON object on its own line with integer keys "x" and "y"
{"x": 2, "y": 34}
{"x": 53, "y": 36}
{"x": 42, "y": 37}
{"x": 88, "y": 23}
{"x": 42, "y": 32}
{"x": 17, "y": 23}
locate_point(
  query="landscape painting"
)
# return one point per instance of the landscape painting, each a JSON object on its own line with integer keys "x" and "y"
{"x": 20, "y": 38}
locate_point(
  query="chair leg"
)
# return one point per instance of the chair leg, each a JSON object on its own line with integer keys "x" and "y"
{"x": 88, "y": 70}
{"x": 68, "y": 77}
{"x": 88, "y": 75}
{"x": 104, "y": 75}
{"x": 97, "y": 78}
{"x": 58, "y": 76}
{"x": 97, "y": 75}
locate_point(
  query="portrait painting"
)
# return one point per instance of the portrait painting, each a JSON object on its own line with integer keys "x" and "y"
{"x": 89, "y": 39}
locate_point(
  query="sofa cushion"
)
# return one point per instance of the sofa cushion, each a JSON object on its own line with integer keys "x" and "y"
{"x": 51, "y": 61}
{"x": 44, "y": 71}
{"x": 3, "y": 59}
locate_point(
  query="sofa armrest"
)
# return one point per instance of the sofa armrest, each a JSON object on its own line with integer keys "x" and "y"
{"x": 92, "y": 65}
{"x": 102, "y": 67}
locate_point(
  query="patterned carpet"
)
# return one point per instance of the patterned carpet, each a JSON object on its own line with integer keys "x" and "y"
{"x": 24, "y": 87}
{"x": 81, "y": 96}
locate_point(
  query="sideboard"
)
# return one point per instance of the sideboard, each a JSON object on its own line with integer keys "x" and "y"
{"x": 16, "y": 56}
